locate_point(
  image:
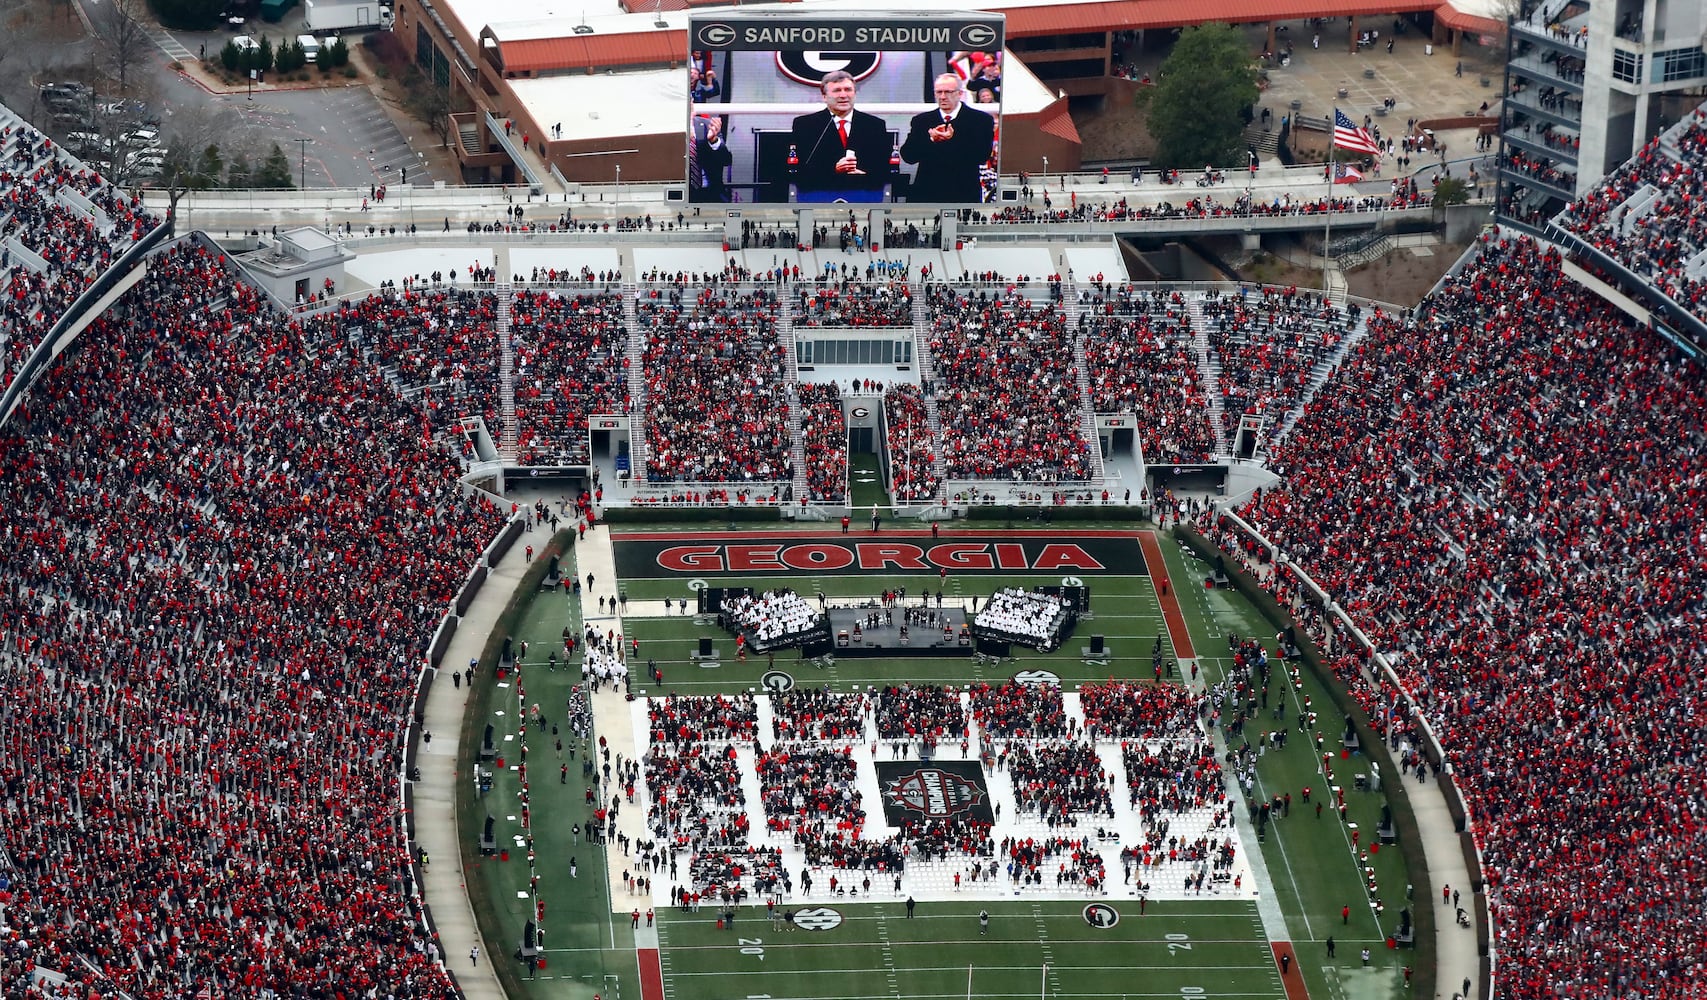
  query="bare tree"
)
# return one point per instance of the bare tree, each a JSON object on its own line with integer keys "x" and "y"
{"x": 122, "y": 38}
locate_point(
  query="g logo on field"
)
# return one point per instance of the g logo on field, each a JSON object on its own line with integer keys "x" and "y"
{"x": 716, "y": 35}
{"x": 809, "y": 67}
{"x": 977, "y": 36}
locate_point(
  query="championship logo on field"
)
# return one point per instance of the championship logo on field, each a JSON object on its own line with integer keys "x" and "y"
{"x": 927, "y": 790}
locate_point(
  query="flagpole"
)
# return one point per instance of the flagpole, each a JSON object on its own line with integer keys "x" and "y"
{"x": 1328, "y": 225}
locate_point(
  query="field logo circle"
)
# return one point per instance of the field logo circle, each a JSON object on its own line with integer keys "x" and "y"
{"x": 1101, "y": 916}
{"x": 817, "y": 918}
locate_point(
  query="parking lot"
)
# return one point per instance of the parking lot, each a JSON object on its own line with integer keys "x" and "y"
{"x": 353, "y": 140}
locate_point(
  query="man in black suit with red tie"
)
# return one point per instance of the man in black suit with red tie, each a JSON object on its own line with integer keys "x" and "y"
{"x": 950, "y": 145}
{"x": 844, "y": 154}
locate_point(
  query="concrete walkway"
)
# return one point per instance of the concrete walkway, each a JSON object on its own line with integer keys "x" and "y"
{"x": 435, "y": 794}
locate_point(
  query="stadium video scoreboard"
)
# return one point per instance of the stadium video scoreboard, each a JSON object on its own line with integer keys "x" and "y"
{"x": 867, "y": 107}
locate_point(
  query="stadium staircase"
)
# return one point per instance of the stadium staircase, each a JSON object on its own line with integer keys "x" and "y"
{"x": 791, "y": 374}
{"x": 1266, "y": 141}
{"x": 927, "y": 374}
{"x": 1209, "y": 369}
{"x": 1082, "y": 376}
{"x": 507, "y": 434}
{"x": 636, "y": 357}
{"x": 1319, "y": 376}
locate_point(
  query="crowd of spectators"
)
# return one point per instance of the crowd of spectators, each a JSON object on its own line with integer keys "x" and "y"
{"x": 685, "y": 718}
{"x": 570, "y": 362}
{"x": 912, "y": 444}
{"x": 697, "y": 801}
{"x": 1061, "y": 782}
{"x": 927, "y": 712}
{"x": 824, "y": 438}
{"x": 855, "y": 303}
{"x": 1012, "y": 710}
{"x": 226, "y": 553}
{"x": 1170, "y": 777}
{"x": 1140, "y": 356}
{"x": 717, "y": 398}
{"x": 737, "y": 874}
{"x": 817, "y": 714}
{"x": 808, "y": 793}
{"x": 440, "y": 343}
{"x": 1270, "y": 341}
{"x": 1126, "y": 710}
{"x": 1662, "y": 239}
{"x": 1236, "y": 204}
{"x": 1006, "y": 387}
{"x": 1076, "y": 859}
{"x": 1505, "y": 495}
{"x": 43, "y": 199}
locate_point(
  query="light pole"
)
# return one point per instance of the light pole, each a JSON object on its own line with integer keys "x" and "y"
{"x": 302, "y": 162}
{"x": 619, "y": 183}
{"x": 1046, "y": 173}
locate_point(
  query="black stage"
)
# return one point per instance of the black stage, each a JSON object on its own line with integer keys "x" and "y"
{"x": 923, "y": 639}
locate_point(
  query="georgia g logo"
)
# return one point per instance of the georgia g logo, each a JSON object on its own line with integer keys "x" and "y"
{"x": 715, "y": 36}
{"x": 809, "y": 67}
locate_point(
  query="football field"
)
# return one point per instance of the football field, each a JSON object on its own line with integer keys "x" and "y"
{"x": 1194, "y": 929}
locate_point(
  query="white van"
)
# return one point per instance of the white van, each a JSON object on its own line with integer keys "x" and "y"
{"x": 310, "y": 47}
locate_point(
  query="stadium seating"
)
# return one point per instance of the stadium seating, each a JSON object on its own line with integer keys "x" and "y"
{"x": 716, "y": 393}
{"x": 1140, "y": 358}
{"x": 824, "y": 436}
{"x": 912, "y": 444}
{"x": 68, "y": 224}
{"x": 570, "y": 363}
{"x": 438, "y": 344}
{"x": 1506, "y": 497}
{"x": 226, "y": 553}
{"x": 854, "y": 304}
{"x": 1007, "y": 392}
{"x": 1647, "y": 215}
{"x": 1270, "y": 343}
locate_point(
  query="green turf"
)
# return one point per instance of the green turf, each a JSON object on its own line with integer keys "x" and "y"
{"x": 877, "y": 952}
{"x": 865, "y": 481}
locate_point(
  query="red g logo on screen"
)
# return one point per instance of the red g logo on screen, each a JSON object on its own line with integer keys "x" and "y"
{"x": 809, "y": 67}
{"x": 933, "y": 793}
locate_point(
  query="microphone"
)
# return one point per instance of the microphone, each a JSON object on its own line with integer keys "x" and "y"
{"x": 821, "y": 133}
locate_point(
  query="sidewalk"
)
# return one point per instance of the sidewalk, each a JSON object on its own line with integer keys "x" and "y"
{"x": 436, "y": 829}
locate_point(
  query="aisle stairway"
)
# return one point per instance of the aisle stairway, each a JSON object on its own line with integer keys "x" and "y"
{"x": 636, "y": 355}
{"x": 1209, "y": 369}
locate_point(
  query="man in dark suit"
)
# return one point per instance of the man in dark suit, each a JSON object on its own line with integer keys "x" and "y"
{"x": 844, "y": 154}
{"x": 712, "y": 159}
{"x": 950, "y": 145}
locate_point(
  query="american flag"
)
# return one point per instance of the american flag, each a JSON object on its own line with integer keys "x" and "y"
{"x": 1347, "y": 135}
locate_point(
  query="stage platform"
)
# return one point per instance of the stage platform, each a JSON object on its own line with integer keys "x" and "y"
{"x": 879, "y": 639}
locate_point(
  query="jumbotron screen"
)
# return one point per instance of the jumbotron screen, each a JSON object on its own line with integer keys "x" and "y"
{"x": 865, "y": 107}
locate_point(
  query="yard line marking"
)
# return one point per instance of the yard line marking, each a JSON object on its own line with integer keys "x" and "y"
{"x": 1264, "y": 964}
{"x": 888, "y": 954}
